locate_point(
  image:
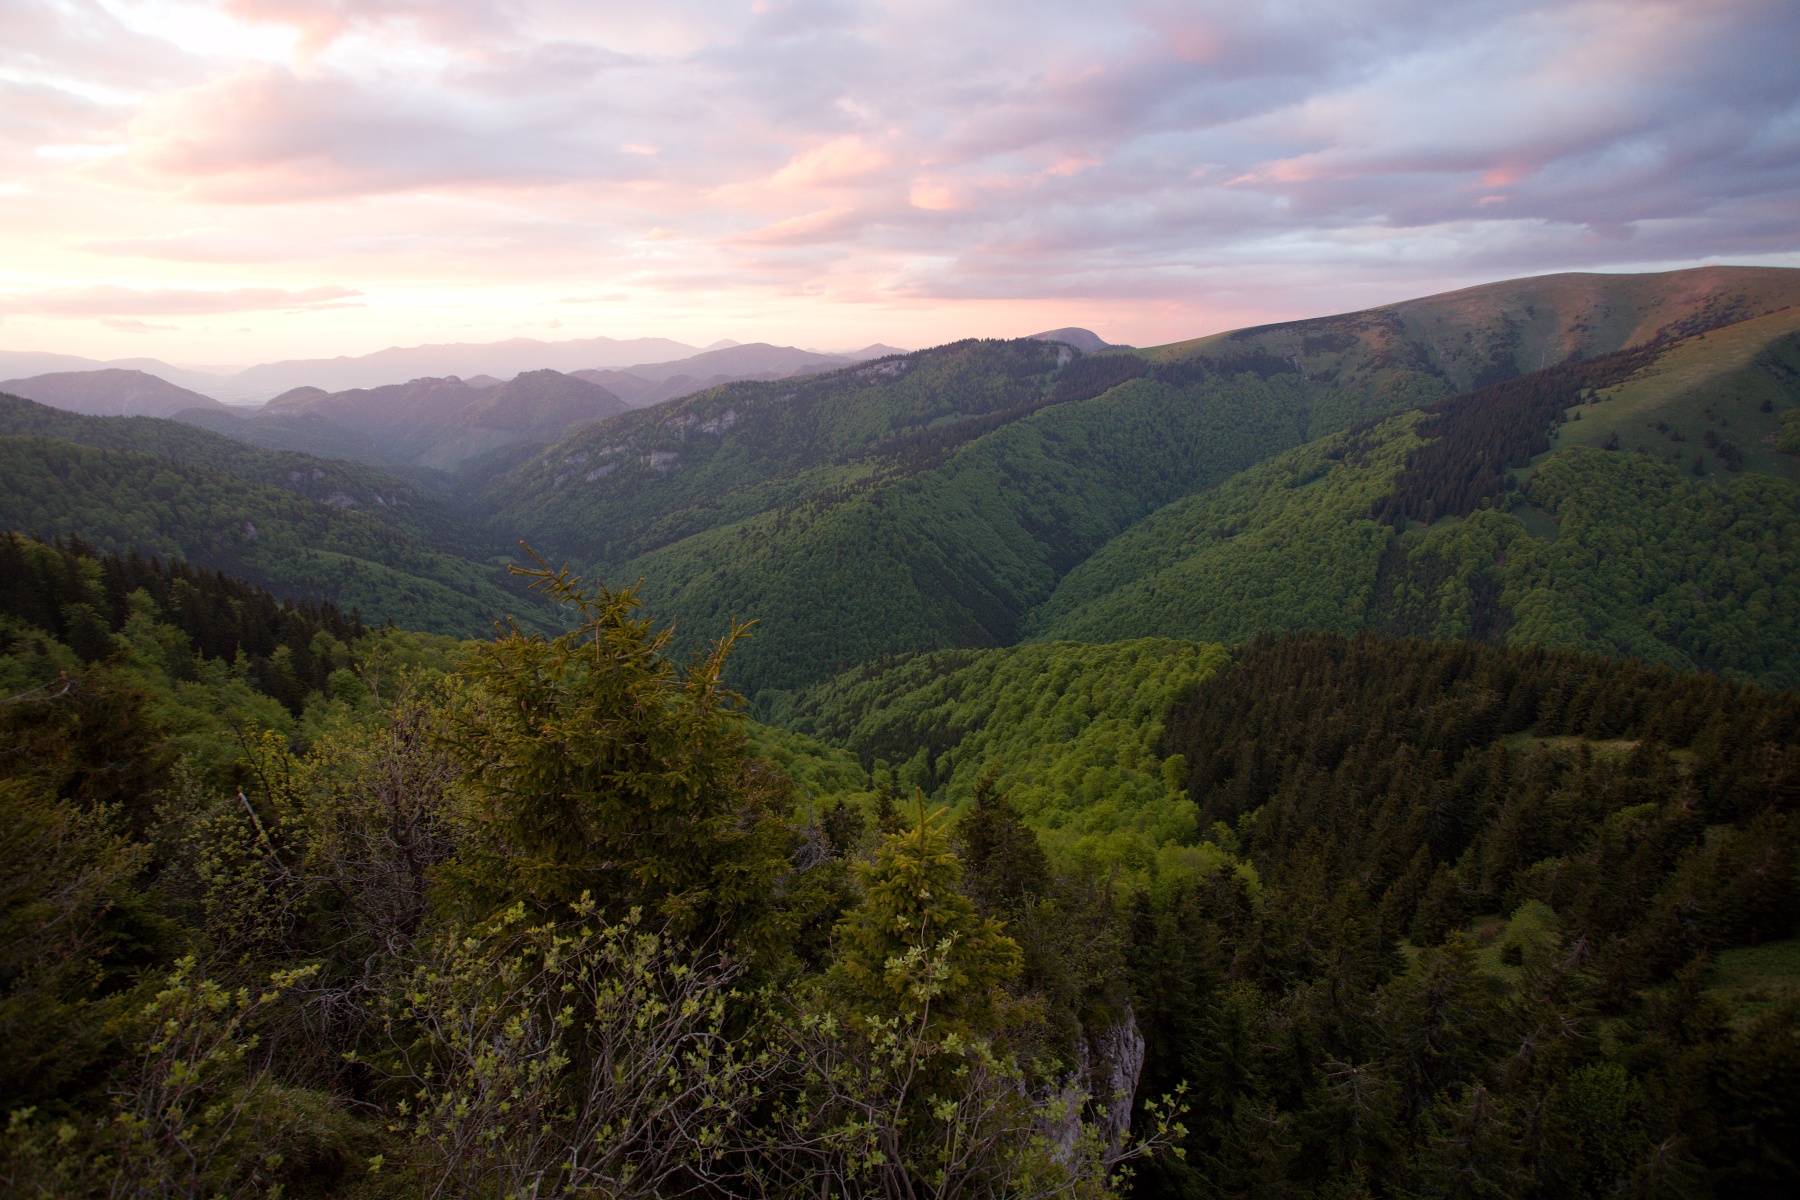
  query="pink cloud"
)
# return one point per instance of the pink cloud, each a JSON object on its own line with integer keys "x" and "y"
{"x": 844, "y": 160}
{"x": 871, "y": 153}
{"x": 133, "y": 325}
{"x": 827, "y": 224}
{"x": 102, "y": 300}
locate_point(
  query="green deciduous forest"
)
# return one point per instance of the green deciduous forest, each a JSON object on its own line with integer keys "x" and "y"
{"x": 1355, "y": 758}
{"x": 1384, "y": 914}
{"x": 1604, "y": 551}
{"x": 519, "y": 914}
{"x": 1070, "y": 733}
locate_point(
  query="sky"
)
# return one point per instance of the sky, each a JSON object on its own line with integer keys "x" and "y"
{"x": 232, "y": 181}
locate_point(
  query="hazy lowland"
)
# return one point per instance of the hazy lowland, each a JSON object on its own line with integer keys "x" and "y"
{"x": 1357, "y": 757}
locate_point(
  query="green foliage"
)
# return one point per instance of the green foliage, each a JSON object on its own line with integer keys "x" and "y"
{"x": 1684, "y": 573}
{"x": 595, "y": 769}
{"x": 1787, "y": 440}
{"x": 67, "y": 907}
{"x": 955, "y": 555}
{"x": 818, "y": 770}
{"x": 1073, "y": 730}
{"x": 1643, "y": 561}
{"x": 915, "y": 945}
{"x": 565, "y": 1058}
{"x": 127, "y": 502}
{"x": 673, "y": 470}
{"x": 918, "y": 503}
{"x": 84, "y": 599}
{"x": 1608, "y": 825}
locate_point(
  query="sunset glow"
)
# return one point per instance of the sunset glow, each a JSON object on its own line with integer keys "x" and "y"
{"x": 245, "y": 180}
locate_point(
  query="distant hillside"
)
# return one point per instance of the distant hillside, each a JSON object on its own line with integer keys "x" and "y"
{"x": 119, "y": 500}
{"x": 917, "y": 502}
{"x": 21, "y": 364}
{"x": 652, "y": 383}
{"x": 1359, "y": 365}
{"x": 397, "y": 364}
{"x": 1084, "y": 340}
{"x": 436, "y": 423}
{"x": 111, "y": 393}
{"x": 350, "y": 486}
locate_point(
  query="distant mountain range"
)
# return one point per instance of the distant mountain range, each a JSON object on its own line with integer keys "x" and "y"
{"x": 1577, "y": 460}
{"x": 651, "y": 383}
{"x": 655, "y": 360}
{"x": 438, "y": 423}
{"x": 112, "y": 392}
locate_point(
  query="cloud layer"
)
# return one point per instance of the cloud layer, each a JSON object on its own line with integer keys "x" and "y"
{"x": 842, "y": 167}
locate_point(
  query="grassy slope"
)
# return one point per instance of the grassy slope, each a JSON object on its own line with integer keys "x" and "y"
{"x": 120, "y": 500}
{"x": 1729, "y": 372}
{"x": 1075, "y": 731}
{"x": 1384, "y": 360}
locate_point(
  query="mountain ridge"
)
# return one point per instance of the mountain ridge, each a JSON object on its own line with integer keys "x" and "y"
{"x": 111, "y": 392}
{"x": 720, "y": 501}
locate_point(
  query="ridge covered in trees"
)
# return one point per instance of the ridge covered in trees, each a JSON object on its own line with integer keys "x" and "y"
{"x": 123, "y": 501}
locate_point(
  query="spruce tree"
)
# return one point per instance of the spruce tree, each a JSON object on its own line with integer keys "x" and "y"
{"x": 916, "y": 945}
{"x": 594, "y": 768}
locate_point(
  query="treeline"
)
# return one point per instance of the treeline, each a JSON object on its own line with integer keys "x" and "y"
{"x": 83, "y": 598}
{"x": 1494, "y": 887}
{"x": 1480, "y": 436}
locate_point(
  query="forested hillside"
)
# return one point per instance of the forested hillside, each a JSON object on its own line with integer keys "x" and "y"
{"x": 1583, "y": 853}
{"x": 124, "y": 501}
{"x": 1070, "y": 733}
{"x": 910, "y": 503}
{"x": 1516, "y": 512}
{"x": 520, "y": 913}
{"x": 342, "y": 484}
{"x": 1435, "y": 912}
{"x": 935, "y": 500}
